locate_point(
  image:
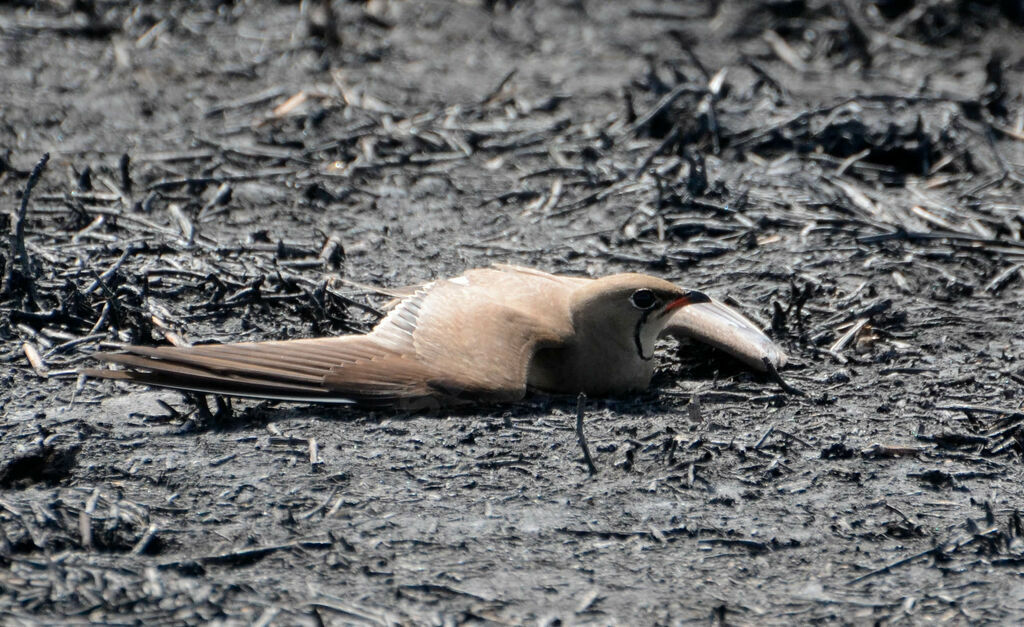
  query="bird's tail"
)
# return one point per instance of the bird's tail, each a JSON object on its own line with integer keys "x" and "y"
{"x": 333, "y": 370}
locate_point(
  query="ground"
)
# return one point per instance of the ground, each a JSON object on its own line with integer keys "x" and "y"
{"x": 849, "y": 174}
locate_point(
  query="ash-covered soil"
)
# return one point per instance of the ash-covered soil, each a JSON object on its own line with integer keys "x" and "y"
{"x": 848, "y": 173}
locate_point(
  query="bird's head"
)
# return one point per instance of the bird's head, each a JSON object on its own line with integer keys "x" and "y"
{"x": 631, "y": 308}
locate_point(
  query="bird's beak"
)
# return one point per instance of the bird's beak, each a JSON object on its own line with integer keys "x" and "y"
{"x": 691, "y": 297}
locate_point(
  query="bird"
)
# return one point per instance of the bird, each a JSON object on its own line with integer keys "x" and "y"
{"x": 488, "y": 335}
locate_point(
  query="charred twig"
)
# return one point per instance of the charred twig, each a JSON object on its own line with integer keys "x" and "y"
{"x": 73, "y": 343}
{"x": 85, "y": 519}
{"x": 766, "y": 78}
{"x": 244, "y": 556}
{"x": 911, "y": 236}
{"x": 784, "y": 51}
{"x": 332, "y": 253}
{"x": 34, "y": 358}
{"x": 751, "y": 545}
{"x": 664, "y": 15}
{"x": 433, "y": 587}
{"x": 144, "y": 541}
{"x": 244, "y": 102}
{"x": 18, "y": 239}
{"x": 580, "y": 400}
{"x": 937, "y": 551}
{"x": 883, "y": 451}
{"x": 494, "y": 93}
{"x": 982, "y": 409}
{"x": 319, "y": 508}
{"x": 314, "y": 453}
{"x": 350, "y": 610}
{"x": 848, "y": 337}
{"x": 663, "y": 104}
{"x": 764, "y": 437}
{"x": 188, "y": 229}
{"x": 888, "y": 567}
{"x": 796, "y": 439}
{"x": 109, "y": 272}
{"x": 124, "y": 167}
{"x": 672, "y": 137}
{"x": 1003, "y": 278}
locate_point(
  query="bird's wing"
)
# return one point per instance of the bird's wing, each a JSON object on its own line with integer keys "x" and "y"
{"x": 723, "y": 327}
{"x": 471, "y": 337}
{"x": 518, "y": 285}
{"x": 477, "y": 333}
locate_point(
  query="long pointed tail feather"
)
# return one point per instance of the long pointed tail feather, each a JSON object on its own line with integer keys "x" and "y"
{"x": 331, "y": 370}
{"x": 215, "y": 385}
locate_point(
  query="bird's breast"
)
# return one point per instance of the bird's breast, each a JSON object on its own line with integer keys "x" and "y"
{"x": 593, "y": 370}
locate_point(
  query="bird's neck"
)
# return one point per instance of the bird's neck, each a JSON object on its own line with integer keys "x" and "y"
{"x": 600, "y": 361}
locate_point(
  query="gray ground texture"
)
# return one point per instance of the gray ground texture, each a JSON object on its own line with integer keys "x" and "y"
{"x": 848, "y": 173}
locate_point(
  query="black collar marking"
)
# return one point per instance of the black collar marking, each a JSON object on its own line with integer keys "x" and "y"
{"x": 636, "y": 335}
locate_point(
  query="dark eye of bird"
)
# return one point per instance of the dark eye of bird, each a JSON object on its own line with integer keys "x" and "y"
{"x": 643, "y": 299}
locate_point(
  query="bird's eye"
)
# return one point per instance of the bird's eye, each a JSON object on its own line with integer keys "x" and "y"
{"x": 643, "y": 299}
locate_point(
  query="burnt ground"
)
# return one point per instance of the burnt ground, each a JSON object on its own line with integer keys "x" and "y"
{"x": 849, "y": 173}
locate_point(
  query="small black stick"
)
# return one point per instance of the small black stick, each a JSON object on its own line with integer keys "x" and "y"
{"x": 126, "y": 177}
{"x": 18, "y": 237}
{"x": 581, "y": 437}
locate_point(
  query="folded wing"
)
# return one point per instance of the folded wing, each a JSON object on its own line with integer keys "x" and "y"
{"x": 468, "y": 338}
